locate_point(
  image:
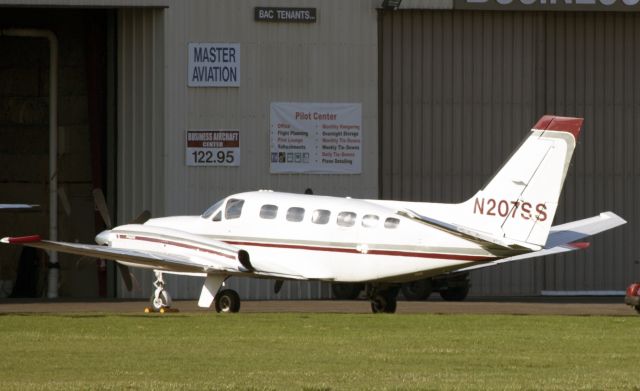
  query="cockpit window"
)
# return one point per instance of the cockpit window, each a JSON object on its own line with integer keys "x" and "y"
{"x": 233, "y": 209}
{"x": 268, "y": 211}
{"x": 209, "y": 212}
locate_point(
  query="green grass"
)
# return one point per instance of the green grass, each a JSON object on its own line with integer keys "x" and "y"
{"x": 318, "y": 352}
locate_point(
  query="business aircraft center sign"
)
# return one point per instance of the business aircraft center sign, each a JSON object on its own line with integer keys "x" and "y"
{"x": 316, "y": 138}
{"x": 212, "y": 148}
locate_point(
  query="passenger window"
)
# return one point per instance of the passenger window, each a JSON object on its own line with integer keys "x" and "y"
{"x": 370, "y": 221}
{"x": 320, "y": 216}
{"x": 233, "y": 209}
{"x": 295, "y": 214}
{"x": 391, "y": 223}
{"x": 346, "y": 219}
{"x": 268, "y": 211}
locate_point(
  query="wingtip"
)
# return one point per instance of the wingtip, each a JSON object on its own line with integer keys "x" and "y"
{"x": 579, "y": 245}
{"x": 611, "y": 215}
{"x": 21, "y": 239}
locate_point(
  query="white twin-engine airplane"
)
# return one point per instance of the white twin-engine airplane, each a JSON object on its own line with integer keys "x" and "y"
{"x": 284, "y": 236}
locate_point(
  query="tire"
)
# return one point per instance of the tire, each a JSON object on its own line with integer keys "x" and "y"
{"x": 417, "y": 290}
{"x": 455, "y": 294}
{"x": 345, "y": 291}
{"x": 384, "y": 303}
{"x": 227, "y": 301}
{"x": 164, "y": 301}
{"x": 637, "y": 308}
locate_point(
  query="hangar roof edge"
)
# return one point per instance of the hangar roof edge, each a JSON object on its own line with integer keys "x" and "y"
{"x": 88, "y": 3}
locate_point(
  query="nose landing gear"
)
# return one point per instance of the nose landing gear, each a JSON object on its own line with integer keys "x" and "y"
{"x": 160, "y": 300}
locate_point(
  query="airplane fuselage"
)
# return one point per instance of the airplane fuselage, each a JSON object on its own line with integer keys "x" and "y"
{"x": 313, "y": 237}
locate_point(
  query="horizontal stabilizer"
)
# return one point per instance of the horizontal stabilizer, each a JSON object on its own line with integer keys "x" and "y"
{"x": 564, "y": 237}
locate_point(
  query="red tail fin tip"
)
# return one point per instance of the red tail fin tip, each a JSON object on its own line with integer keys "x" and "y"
{"x": 560, "y": 124}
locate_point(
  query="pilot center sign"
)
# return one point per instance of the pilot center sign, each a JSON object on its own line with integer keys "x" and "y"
{"x": 214, "y": 65}
{"x": 213, "y": 148}
{"x": 316, "y": 138}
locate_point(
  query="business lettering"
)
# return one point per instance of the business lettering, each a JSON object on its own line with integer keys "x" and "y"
{"x": 549, "y": 5}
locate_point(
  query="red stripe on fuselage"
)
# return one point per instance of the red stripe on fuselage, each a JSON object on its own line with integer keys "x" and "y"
{"x": 393, "y": 253}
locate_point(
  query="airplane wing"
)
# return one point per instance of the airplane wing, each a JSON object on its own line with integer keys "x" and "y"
{"x": 206, "y": 264}
{"x": 18, "y": 207}
{"x": 563, "y": 238}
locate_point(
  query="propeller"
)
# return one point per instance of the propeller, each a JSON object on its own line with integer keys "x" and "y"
{"x": 101, "y": 206}
{"x": 278, "y": 286}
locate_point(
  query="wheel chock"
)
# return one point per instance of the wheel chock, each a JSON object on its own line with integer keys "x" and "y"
{"x": 163, "y": 310}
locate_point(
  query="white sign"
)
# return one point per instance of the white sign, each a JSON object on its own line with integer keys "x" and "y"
{"x": 316, "y": 138}
{"x": 214, "y": 65}
{"x": 213, "y": 148}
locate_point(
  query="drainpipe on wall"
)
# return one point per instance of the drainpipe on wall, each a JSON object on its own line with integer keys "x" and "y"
{"x": 54, "y": 268}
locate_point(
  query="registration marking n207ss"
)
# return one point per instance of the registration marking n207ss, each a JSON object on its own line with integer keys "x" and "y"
{"x": 514, "y": 209}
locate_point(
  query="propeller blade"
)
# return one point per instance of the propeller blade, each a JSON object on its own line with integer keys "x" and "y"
{"x": 126, "y": 276}
{"x": 142, "y": 218}
{"x": 278, "y": 286}
{"x": 64, "y": 200}
{"x": 101, "y": 206}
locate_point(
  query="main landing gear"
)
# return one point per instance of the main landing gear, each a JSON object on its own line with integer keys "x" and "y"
{"x": 384, "y": 298}
{"x": 227, "y": 301}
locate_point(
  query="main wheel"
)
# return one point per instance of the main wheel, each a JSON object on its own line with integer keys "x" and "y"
{"x": 637, "y": 308}
{"x": 227, "y": 300}
{"x": 417, "y": 290}
{"x": 345, "y": 291}
{"x": 163, "y": 301}
{"x": 455, "y": 294}
{"x": 383, "y": 303}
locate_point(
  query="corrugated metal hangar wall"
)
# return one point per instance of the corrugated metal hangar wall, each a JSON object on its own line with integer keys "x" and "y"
{"x": 332, "y": 60}
{"x": 460, "y": 90}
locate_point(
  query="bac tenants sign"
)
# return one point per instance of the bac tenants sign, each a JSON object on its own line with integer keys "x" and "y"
{"x": 285, "y": 14}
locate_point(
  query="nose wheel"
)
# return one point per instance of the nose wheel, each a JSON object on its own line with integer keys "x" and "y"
{"x": 160, "y": 300}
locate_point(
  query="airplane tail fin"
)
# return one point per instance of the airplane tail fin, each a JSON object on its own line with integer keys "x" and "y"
{"x": 517, "y": 206}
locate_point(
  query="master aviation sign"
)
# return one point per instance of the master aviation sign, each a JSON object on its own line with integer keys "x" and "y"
{"x": 214, "y": 65}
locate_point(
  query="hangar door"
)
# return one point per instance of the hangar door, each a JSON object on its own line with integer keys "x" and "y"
{"x": 459, "y": 90}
